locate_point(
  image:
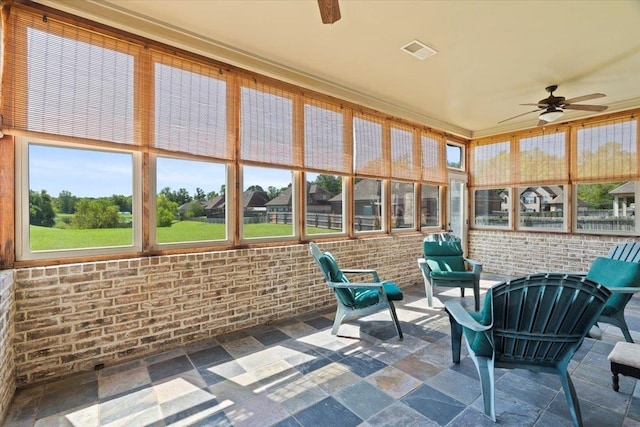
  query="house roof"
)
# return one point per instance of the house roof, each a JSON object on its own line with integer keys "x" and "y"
{"x": 492, "y": 55}
{"x": 628, "y": 188}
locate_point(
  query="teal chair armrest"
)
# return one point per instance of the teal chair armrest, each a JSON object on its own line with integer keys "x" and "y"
{"x": 463, "y": 318}
{"x": 374, "y": 273}
{"x": 476, "y": 267}
{"x": 353, "y": 285}
{"x": 624, "y": 290}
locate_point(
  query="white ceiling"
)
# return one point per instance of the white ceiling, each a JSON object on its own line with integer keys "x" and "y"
{"x": 492, "y": 55}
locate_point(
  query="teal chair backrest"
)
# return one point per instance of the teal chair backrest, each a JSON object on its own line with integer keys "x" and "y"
{"x": 329, "y": 264}
{"x": 537, "y": 319}
{"x": 542, "y": 318}
{"x": 615, "y": 274}
{"x": 444, "y": 256}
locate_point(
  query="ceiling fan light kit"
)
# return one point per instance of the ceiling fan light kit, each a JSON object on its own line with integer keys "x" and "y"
{"x": 551, "y": 115}
{"x": 552, "y": 107}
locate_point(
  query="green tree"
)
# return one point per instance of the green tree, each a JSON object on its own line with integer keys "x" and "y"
{"x": 255, "y": 188}
{"x": 41, "y": 211}
{"x": 331, "y": 183}
{"x": 597, "y": 195}
{"x": 273, "y": 192}
{"x": 223, "y": 188}
{"x": 124, "y": 203}
{"x": 211, "y": 195}
{"x": 180, "y": 197}
{"x": 194, "y": 209}
{"x": 200, "y": 195}
{"x": 166, "y": 211}
{"x": 66, "y": 202}
{"x": 97, "y": 213}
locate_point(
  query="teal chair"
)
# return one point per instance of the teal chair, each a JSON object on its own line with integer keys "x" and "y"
{"x": 536, "y": 322}
{"x": 444, "y": 265}
{"x": 619, "y": 273}
{"x": 355, "y": 300}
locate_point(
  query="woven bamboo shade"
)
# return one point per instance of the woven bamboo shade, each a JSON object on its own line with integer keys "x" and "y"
{"x": 607, "y": 151}
{"x": 434, "y": 162}
{"x": 266, "y": 124}
{"x": 190, "y": 113}
{"x": 491, "y": 163}
{"x": 325, "y": 147}
{"x": 405, "y": 158}
{"x": 78, "y": 83}
{"x": 369, "y": 153}
{"x": 542, "y": 158}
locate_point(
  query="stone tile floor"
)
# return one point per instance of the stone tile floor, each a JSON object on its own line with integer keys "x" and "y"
{"x": 298, "y": 374}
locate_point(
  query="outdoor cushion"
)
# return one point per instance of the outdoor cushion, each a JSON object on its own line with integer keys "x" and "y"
{"x": 365, "y": 297}
{"x": 452, "y": 275}
{"x": 446, "y": 263}
{"x": 448, "y": 248}
{"x": 346, "y": 295}
{"x": 615, "y": 274}
{"x": 393, "y": 291}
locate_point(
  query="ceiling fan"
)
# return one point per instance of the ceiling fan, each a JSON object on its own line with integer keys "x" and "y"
{"x": 552, "y": 107}
{"x": 329, "y": 11}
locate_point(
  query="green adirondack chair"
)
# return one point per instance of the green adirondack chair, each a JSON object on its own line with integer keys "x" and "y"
{"x": 536, "y": 322}
{"x": 355, "y": 300}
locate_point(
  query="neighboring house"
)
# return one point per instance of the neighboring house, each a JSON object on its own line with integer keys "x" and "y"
{"x": 489, "y": 201}
{"x": 366, "y": 199}
{"x": 542, "y": 199}
{"x": 624, "y": 198}
{"x": 254, "y": 203}
{"x": 317, "y": 200}
{"x": 215, "y": 208}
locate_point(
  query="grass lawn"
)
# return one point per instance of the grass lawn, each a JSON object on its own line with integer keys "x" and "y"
{"x": 45, "y": 238}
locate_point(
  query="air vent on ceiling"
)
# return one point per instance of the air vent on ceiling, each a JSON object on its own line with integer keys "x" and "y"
{"x": 418, "y": 49}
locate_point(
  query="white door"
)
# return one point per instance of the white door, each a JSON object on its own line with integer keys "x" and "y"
{"x": 457, "y": 216}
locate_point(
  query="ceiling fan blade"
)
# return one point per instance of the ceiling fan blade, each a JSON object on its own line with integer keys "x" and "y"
{"x": 585, "y": 107}
{"x": 519, "y": 115}
{"x": 584, "y": 98}
{"x": 539, "y": 105}
{"x": 542, "y": 122}
{"x": 329, "y": 11}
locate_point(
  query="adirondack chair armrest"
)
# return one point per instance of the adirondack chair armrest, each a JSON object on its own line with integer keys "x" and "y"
{"x": 463, "y": 318}
{"x": 377, "y": 285}
{"x": 624, "y": 290}
{"x": 476, "y": 267}
{"x": 374, "y": 273}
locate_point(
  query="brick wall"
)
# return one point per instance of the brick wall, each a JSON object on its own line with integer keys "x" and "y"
{"x": 518, "y": 253}
{"x": 7, "y": 364}
{"x": 70, "y": 318}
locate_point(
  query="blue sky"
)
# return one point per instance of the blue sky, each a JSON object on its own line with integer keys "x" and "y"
{"x": 87, "y": 173}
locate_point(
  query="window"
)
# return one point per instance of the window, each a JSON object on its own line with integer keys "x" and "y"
{"x": 76, "y": 200}
{"x": 190, "y": 201}
{"x": 368, "y": 205}
{"x": 455, "y": 156}
{"x": 542, "y": 207}
{"x": 403, "y": 206}
{"x": 324, "y": 204}
{"x": 268, "y": 203}
{"x": 491, "y": 207}
{"x": 430, "y": 206}
{"x": 607, "y": 207}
